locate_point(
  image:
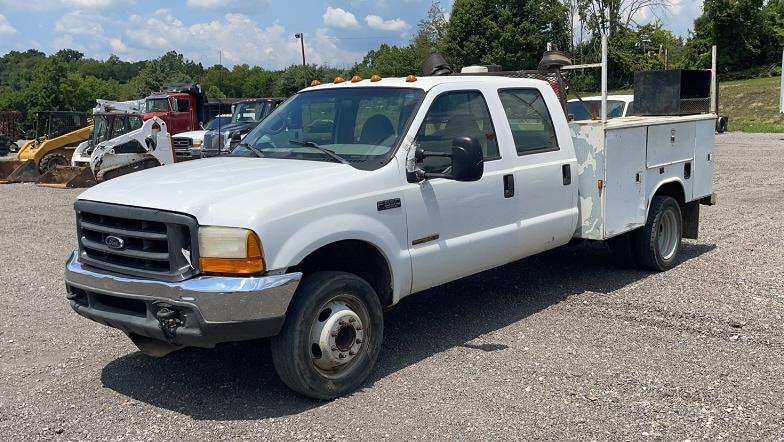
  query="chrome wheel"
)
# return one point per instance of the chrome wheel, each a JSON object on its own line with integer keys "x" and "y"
{"x": 668, "y": 235}
{"x": 338, "y": 334}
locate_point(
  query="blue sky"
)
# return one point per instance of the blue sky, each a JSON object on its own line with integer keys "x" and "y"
{"x": 257, "y": 32}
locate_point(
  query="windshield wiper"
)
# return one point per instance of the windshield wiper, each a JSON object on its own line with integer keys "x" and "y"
{"x": 255, "y": 150}
{"x": 323, "y": 150}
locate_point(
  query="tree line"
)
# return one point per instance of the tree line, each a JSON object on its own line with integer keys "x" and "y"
{"x": 512, "y": 33}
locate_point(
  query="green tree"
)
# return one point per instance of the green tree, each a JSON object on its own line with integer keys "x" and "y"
{"x": 169, "y": 68}
{"x": 390, "y": 61}
{"x": 512, "y": 33}
{"x": 748, "y": 33}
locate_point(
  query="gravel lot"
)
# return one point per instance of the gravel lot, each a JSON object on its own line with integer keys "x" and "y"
{"x": 560, "y": 346}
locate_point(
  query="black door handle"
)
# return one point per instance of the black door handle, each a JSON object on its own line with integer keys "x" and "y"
{"x": 509, "y": 186}
{"x": 566, "y": 170}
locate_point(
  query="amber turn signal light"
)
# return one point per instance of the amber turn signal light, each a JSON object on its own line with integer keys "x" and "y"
{"x": 253, "y": 262}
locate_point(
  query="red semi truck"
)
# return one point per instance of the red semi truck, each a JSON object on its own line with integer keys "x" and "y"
{"x": 183, "y": 107}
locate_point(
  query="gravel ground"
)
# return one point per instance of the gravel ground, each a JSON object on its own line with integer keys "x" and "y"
{"x": 559, "y": 346}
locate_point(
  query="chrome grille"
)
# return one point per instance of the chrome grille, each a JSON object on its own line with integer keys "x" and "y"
{"x": 152, "y": 243}
{"x": 213, "y": 143}
{"x": 182, "y": 148}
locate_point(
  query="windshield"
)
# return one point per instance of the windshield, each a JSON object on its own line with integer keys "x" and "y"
{"x": 217, "y": 122}
{"x": 156, "y": 104}
{"x": 578, "y": 109}
{"x": 248, "y": 112}
{"x": 361, "y": 125}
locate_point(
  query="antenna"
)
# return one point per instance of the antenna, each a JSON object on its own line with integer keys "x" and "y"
{"x": 220, "y": 103}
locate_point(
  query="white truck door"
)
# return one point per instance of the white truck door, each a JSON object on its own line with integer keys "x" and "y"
{"x": 545, "y": 169}
{"x": 458, "y": 228}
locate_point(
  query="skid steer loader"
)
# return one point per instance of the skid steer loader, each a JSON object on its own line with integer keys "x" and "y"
{"x": 142, "y": 148}
{"x": 56, "y": 136}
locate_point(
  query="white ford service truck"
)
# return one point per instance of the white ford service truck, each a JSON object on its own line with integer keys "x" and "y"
{"x": 354, "y": 195}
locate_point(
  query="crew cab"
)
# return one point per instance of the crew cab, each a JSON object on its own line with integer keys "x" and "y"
{"x": 353, "y": 195}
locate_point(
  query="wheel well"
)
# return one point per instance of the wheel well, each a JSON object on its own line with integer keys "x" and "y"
{"x": 673, "y": 189}
{"x": 352, "y": 256}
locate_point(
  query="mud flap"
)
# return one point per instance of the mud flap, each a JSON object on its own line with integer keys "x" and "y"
{"x": 691, "y": 219}
{"x": 67, "y": 177}
{"x": 19, "y": 172}
{"x": 154, "y": 347}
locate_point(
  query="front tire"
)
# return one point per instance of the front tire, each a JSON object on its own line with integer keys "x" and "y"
{"x": 657, "y": 243}
{"x": 50, "y": 160}
{"x": 332, "y": 336}
{"x": 13, "y": 147}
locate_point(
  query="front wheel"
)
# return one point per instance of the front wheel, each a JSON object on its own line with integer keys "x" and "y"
{"x": 13, "y": 147}
{"x": 52, "y": 160}
{"x": 332, "y": 336}
{"x": 657, "y": 244}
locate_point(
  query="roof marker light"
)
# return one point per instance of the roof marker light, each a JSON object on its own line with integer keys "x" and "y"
{"x": 339, "y": 80}
{"x": 356, "y": 79}
{"x": 315, "y": 83}
{"x": 411, "y": 79}
{"x": 375, "y": 78}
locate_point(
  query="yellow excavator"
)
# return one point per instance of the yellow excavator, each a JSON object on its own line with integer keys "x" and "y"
{"x": 57, "y": 134}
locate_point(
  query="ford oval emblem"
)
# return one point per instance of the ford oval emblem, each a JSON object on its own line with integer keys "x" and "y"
{"x": 114, "y": 242}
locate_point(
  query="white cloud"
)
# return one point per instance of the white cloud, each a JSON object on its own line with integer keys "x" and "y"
{"x": 396, "y": 24}
{"x": 88, "y": 3}
{"x": 238, "y": 37}
{"x": 79, "y": 23}
{"x": 51, "y": 5}
{"x": 5, "y": 26}
{"x": 340, "y": 18}
{"x": 118, "y": 47}
{"x": 246, "y": 6}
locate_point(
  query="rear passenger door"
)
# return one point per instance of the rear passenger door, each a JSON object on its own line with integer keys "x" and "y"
{"x": 459, "y": 228}
{"x": 545, "y": 173}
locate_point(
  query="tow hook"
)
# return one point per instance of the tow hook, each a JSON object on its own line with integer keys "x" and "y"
{"x": 168, "y": 319}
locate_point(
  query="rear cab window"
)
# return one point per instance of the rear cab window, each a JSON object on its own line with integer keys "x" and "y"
{"x": 529, "y": 119}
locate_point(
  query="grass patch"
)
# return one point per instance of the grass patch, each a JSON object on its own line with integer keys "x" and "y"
{"x": 752, "y": 105}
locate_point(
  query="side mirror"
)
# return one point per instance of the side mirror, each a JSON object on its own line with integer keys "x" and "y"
{"x": 236, "y": 136}
{"x": 467, "y": 161}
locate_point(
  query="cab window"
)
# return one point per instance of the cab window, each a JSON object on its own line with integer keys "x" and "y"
{"x": 118, "y": 126}
{"x": 134, "y": 122}
{"x": 453, "y": 115}
{"x": 182, "y": 105}
{"x": 529, "y": 119}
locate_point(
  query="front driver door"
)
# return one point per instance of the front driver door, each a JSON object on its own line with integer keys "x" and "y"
{"x": 458, "y": 228}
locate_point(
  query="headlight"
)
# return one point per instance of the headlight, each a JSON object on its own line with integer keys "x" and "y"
{"x": 229, "y": 250}
{"x": 196, "y": 143}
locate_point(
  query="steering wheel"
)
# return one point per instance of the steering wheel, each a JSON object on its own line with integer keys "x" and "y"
{"x": 277, "y": 125}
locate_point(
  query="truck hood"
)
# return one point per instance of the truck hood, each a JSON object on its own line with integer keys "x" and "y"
{"x": 207, "y": 188}
{"x": 244, "y": 126}
{"x": 193, "y": 135}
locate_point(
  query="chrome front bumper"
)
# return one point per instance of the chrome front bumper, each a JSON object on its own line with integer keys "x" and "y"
{"x": 213, "y": 309}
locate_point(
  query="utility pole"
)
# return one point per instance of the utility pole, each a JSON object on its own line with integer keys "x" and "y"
{"x": 781, "y": 105}
{"x": 301, "y": 38}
